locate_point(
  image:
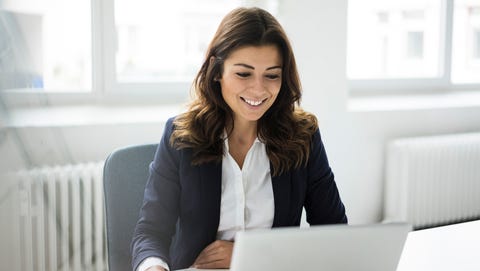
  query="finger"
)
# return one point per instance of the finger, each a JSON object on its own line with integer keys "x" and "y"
{"x": 212, "y": 246}
{"x": 210, "y": 265}
{"x": 209, "y": 258}
{"x": 218, "y": 258}
{"x": 204, "y": 254}
{"x": 219, "y": 253}
{"x": 211, "y": 249}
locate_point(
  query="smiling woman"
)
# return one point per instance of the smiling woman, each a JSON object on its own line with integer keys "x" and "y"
{"x": 243, "y": 156}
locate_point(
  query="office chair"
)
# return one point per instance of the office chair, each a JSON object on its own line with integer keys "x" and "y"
{"x": 124, "y": 177}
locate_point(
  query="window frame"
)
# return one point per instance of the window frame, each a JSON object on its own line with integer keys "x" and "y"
{"x": 104, "y": 88}
{"x": 423, "y": 85}
{"x": 48, "y": 97}
{"x": 170, "y": 91}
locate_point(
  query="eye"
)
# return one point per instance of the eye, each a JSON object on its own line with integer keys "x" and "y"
{"x": 272, "y": 76}
{"x": 243, "y": 74}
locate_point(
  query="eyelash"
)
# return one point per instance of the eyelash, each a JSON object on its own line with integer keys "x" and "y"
{"x": 273, "y": 76}
{"x": 243, "y": 74}
{"x": 269, "y": 76}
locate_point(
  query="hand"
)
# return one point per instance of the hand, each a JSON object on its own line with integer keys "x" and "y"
{"x": 216, "y": 255}
{"x": 156, "y": 268}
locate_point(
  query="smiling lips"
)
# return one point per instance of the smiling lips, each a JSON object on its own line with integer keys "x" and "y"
{"x": 253, "y": 102}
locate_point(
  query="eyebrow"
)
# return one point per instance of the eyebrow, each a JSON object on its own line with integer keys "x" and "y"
{"x": 253, "y": 68}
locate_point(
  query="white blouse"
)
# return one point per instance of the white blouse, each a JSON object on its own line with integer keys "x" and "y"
{"x": 247, "y": 193}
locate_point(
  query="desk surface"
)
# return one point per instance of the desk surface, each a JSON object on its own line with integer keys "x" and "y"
{"x": 453, "y": 247}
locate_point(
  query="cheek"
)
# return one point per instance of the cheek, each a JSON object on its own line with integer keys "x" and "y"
{"x": 230, "y": 87}
{"x": 228, "y": 92}
{"x": 275, "y": 88}
{"x": 224, "y": 95}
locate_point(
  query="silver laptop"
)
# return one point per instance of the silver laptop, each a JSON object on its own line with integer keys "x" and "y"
{"x": 327, "y": 248}
{"x": 330, "y": 248}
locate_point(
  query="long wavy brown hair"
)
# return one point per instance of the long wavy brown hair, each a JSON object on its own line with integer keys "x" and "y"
{"x": 285, "y": 129}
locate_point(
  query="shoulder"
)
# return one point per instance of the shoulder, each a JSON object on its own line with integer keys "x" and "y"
{"x": 170, "y": 124}
{"x": 305, "y": 120}
{"x": 308, "y": 128}
{"x": 168, "y": 130}
{"x": 306, "y": 125}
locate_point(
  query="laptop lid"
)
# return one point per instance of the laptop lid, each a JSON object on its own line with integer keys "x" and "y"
{"x": 333, "y": 247}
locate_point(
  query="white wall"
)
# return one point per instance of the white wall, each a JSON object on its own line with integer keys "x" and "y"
{"x": 355, "y": 140}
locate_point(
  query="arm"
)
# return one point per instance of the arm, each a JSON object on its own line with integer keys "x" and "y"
{"x": 323, "y": 204}
{"x": 158, "y": 215}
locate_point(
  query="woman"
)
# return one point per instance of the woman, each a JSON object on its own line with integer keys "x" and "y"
{"x": 244, "y": 156}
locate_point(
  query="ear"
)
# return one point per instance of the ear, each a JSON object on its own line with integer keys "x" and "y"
{"x": 212, "y": 59}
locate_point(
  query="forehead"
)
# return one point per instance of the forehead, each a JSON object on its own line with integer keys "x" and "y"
{"x": 265, "y": 55}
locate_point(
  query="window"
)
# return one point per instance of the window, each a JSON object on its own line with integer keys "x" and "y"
{"x": 46, "y": 44}
{"x": 107, "y": 46}
{"x": 164, "y": 40}
{"x": 466, "y": 42}
{"x": 160, "y": 45}
{"x": 413, "y": 44}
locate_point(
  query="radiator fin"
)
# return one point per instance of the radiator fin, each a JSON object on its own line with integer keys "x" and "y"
{"x": 62, "y": 224}
{"x": 434, "y": 180}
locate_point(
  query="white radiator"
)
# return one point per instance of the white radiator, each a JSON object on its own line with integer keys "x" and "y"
{"x": 61, "y": 218}
{"x": 432, "y": 181}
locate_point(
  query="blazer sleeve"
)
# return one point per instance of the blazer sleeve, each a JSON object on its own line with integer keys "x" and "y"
{"x": 322, "y": 203}
{"x": 159, "y": 213}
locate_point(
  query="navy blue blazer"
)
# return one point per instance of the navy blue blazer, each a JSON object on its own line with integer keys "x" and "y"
{"x": 181, "y": 207}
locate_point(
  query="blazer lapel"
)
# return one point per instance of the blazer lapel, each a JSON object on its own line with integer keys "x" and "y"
{"x": 282, "y": 196}
{"x": 211, "y": 190}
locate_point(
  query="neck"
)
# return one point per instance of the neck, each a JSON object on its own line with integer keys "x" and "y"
{"x": 244, "y": 132}
{"x": 241, "y": 139}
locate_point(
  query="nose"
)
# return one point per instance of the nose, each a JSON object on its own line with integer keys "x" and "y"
{"x": 258, "y": 84}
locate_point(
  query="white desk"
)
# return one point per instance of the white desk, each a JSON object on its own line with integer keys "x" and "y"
{"x": 449, "y": 248}
{"x": 453, "y": 247}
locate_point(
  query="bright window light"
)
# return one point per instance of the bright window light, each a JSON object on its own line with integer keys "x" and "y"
{"x": 160, "y": 41}
{"x": 45, "y": 45}
{"x": 393, "y": 39}
{"x": 466, "y": 42}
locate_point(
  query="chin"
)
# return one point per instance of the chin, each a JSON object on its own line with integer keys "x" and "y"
{"x": 256, "y": 118}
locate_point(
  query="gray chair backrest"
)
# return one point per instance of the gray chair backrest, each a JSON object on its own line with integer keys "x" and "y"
{"x": 124, "y": 177}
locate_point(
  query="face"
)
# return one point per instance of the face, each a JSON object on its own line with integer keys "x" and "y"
{"x": 251, "y": 80}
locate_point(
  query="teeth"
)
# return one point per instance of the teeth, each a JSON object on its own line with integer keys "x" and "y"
{"x": 251, "y": 102}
